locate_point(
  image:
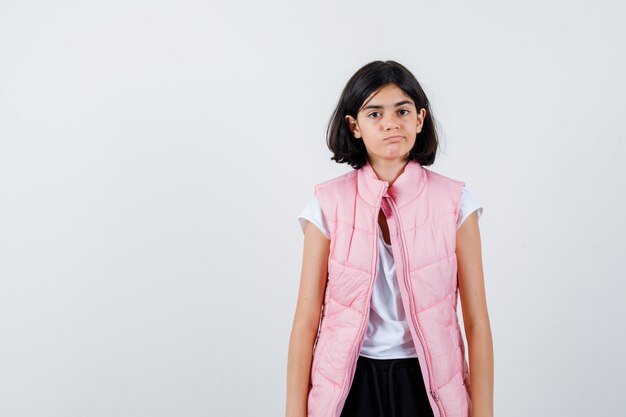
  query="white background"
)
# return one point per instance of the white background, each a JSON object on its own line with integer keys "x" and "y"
{"x": 155, "y": 155}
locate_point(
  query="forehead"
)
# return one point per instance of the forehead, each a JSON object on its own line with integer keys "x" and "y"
{"x": 389, "y": 96}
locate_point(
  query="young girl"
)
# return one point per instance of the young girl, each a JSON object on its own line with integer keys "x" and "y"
{"x": 388, "y": 248}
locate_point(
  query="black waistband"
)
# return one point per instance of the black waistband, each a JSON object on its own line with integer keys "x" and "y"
{"x": 395, "y": 363}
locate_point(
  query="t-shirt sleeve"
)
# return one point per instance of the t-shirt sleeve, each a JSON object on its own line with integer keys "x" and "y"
{"x": 313, "y": 213}
{"x": 468, "y": 205}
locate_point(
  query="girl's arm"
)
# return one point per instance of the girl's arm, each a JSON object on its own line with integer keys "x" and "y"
{"x": 307, "y": 318}
{"x": 475, "y": 316}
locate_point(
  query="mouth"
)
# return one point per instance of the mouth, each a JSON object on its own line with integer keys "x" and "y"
{"x": 394, "y": 138}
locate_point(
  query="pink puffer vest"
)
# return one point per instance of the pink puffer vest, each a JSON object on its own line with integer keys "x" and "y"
{"x": 421, "y": 208}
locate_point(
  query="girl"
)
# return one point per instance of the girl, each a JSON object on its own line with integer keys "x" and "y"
{"x": 389, "y": 343}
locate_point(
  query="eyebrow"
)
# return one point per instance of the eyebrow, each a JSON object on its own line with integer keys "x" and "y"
{"x": 376, "y": 106}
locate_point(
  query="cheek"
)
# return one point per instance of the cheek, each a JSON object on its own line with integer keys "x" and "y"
{"x": 414, "y": 127}
{"x": 412, "y": 123}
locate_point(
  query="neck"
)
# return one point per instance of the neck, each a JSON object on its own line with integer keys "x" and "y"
{"x": 388, "y": 171}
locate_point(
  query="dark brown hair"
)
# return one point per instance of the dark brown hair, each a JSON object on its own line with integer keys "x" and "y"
{"x": 367, "y": 80}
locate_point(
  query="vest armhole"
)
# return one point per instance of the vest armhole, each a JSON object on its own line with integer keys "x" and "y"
{"x": 457, "y": 198}
{"x": 322, "y": 195}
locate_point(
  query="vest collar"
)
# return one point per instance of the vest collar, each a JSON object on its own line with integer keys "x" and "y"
{"x": 406, "y": 188}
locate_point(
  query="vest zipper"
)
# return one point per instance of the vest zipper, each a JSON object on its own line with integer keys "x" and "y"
{"x": 405, "y": 267}
{"x": 361, "y": 334}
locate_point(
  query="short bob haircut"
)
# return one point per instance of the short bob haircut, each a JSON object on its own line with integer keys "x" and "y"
{"x": 369, "y": 79}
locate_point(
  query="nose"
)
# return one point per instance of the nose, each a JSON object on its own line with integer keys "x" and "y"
{"x": 390, "y": 121}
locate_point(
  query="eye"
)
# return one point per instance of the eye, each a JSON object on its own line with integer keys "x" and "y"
{"x": 375, "y": 112}
{"x": 407, "y": 111}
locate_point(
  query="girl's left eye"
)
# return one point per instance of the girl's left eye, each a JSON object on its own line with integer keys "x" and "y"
{"x": 407, "y": 111}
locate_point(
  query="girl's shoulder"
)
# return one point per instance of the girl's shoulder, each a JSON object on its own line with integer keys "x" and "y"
{"x": 338, "y": 178}
{"x": 331, "y": 189}
{"x": 438, "y": 177}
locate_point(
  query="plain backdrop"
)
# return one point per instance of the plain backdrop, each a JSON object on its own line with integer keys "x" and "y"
{"x": 155, "y": 156}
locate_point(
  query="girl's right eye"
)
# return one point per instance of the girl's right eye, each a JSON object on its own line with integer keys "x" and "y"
{"x": 370, "y": 115}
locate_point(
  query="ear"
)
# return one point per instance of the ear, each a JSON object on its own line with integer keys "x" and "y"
{"x": 420, "y": 119}
{"x": 353, "y": 126}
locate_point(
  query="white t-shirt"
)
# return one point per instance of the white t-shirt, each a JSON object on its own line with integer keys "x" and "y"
{"x": 387, "y": 335}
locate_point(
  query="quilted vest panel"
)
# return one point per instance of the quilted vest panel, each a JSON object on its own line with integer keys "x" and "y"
{"x": 421, "y": 209}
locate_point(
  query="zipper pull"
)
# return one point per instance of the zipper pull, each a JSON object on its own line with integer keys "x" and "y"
{"x": 434, "y": 394}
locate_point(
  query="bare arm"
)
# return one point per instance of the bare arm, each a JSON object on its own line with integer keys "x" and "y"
{"x": 306, "y": 320}
{"x": 475, "y": 316}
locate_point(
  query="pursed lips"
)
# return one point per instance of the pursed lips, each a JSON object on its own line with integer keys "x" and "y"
{"x": 394, "y": 138}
